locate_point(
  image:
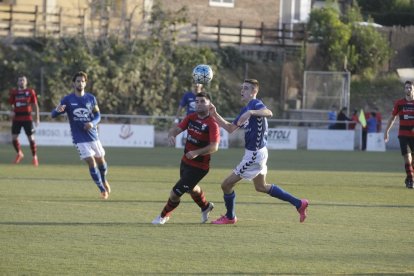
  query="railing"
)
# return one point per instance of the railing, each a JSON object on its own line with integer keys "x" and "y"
{"x": 20, "y": 21}
{"x": 221, "y": 35}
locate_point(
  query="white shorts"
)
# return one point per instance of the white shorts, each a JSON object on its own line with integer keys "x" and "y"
{"x": 253, "y": 164}
{"x": 89, "y": 149}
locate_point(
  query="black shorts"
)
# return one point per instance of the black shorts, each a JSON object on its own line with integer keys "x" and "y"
{"x": 406, "y": 144}
{"x": 189, "y": 178}
{"x": 26, "y": 125}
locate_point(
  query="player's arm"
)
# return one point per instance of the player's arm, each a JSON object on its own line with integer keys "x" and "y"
{"x": 211, "y": 148}
{"x": 264, "y": 112}
{"x": 172, "y": 133}
{"x": 35, "y": 107}
{"x": 96, "y": 118}
{"x": 178, "y": 113}
{"x": 58, "y": 110}
{"x": 388, "y": 127}
{"x": 229, "y": 127}
{"x": 11, "y": 102}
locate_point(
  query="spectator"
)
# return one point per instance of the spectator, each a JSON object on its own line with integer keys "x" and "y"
{"x": 354, "y": 119}
{"x": 379, "y": 119}
{"x": 372, "y": 123}
{"x": 341, "y": 119}
{"x": 332, "y": 116}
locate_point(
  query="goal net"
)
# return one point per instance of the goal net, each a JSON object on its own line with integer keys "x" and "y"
{"x": 322, "y": 90}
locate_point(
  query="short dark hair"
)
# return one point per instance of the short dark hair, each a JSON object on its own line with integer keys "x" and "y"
{"x": 80, "y": 74}
{"x": 254, "y": 82}
{"x": 203, "y": 95}
{"x": 408, "y": 82}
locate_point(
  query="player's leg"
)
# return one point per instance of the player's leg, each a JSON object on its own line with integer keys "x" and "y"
{"x": 198, "y": 195}
{"x": 277, "y": 192}
{"x": 229, "y": 200}
{"x": 406, "y": 153}
{"x": 87, "y": 154}
{"x": 274, "y": 190}
{"x": 191, "y": 176}
{"x": 101, "y": 163}
{"x": 30, "y": 131}
{"x": 408, "y": 170}
{"x": 16, "y": 127}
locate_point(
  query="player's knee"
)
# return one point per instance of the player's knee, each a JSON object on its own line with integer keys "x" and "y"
{"x": 260, "y": 189}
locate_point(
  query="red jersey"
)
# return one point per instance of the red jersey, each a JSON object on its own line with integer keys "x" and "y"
{"x": 405, "y": 110}
{"x": 200, "y": 133}
{"x": 22, "y": 101}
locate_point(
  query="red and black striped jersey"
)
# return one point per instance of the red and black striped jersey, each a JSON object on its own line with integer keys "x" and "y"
{"x": 405, "y": 111}
{"x": 200, "y": 133}
{"x": 22, "y": 101}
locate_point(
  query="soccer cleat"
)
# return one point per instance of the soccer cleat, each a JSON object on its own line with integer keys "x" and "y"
{"x": 107, "y": 187}
{"x": 160, "y": 220}
{"x": 302, "y": 210}
{"x": 206, "y": 212}
{"x": 19, "y": 157}
{"x": 224, "y": 220}
{"x": 104, "y": 195}
{"x": 408, "y": 184}
{"x": 35, "y": 161}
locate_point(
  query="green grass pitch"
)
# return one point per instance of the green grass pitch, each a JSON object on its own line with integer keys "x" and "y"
{"x": 52, "y": 222}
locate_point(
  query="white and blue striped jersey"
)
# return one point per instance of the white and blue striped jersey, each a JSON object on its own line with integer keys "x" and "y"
{"x": 255, "y": 129}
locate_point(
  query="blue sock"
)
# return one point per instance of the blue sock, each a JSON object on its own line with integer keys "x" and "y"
{"x": 230, "y": 202}
{"x": 96, "y": 176}
{"x": 279, "y": 193}
{"x": 103, "y": 169}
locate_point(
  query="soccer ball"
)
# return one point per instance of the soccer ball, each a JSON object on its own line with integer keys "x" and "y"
{"x": 202, "y": 73}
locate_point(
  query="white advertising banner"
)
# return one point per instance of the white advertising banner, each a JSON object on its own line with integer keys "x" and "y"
{"x": 330, "y": 139}
{"x": 111, "y": 135}
{"x": 51, "y": 134}
{"x": 224, "y": 139}
{"x": 375, "y": 142}
{"x": 126, "y": 135}
{"x": 282, "y": 138}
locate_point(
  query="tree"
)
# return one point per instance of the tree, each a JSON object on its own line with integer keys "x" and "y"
{"x": 389, "y": 12}
{"x": 326, "y": 27}
{"x": 346, "y": 44}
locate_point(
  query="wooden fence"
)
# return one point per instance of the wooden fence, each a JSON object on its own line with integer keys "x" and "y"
{"x": 24, "y": 22}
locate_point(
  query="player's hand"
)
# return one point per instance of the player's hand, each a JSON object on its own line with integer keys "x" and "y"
{"x": 171, "y": 140}
{"x": 60, "y": 108}
{"x": 243, "y": 119}
{"x": 88, "y": 126}
{"x": 212, "y": 109}
{"x": 191, "y": 155}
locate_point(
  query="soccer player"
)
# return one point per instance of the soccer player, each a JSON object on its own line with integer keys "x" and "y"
{"x": 23, "y": 100}
{"x": 202, "y": 140}
{"x": 188, "y": 101}
{"x": 404, "y": 109}
{"x": 83, "y": 114}
{"x": 253, "y": 120}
